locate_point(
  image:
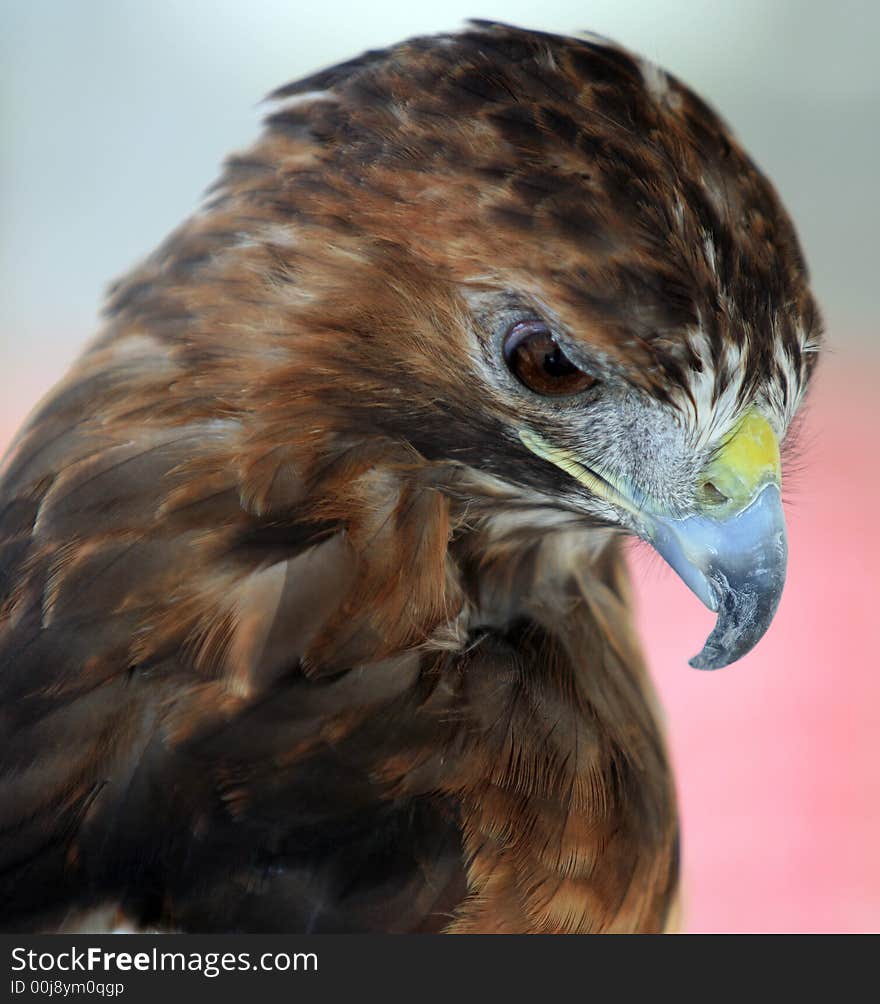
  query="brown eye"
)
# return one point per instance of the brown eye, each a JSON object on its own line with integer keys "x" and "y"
{"x": 536, "y": 360}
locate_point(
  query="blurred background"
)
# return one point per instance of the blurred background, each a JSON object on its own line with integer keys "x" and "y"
{"x": 114, "y": 117}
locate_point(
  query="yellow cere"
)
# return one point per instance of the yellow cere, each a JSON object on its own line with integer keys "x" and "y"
{"x": 748, "y": 461}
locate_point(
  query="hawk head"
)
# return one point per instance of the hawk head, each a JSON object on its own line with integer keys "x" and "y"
{"x": 537, "y": 267}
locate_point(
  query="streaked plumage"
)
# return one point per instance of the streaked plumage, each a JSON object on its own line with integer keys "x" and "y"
{"x": 296, "y": 633}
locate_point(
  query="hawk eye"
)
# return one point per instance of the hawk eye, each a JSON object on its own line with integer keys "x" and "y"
{"x": 535, "y": 358}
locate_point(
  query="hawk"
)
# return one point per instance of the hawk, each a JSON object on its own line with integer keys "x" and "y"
{"x": 314, "y": 613}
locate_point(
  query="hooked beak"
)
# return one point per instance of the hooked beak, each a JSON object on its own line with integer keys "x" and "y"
{"x": 733, "y": 553}
{"x": 736, "y": 565}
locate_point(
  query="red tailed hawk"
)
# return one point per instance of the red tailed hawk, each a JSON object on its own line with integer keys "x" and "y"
{"x": 313, "y": 615}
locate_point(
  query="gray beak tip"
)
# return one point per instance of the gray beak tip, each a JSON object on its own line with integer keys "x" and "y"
{"x": 710, "y": 658}
{"x": 706, "y": 660}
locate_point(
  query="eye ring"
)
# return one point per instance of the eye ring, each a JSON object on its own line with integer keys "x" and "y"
{"x": 538, "y": 362}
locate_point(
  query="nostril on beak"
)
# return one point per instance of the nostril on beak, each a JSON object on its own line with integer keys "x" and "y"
{"x": 711, "y": 495}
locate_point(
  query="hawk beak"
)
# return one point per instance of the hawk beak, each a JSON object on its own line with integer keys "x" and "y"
{"x": 732, "y": 554}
